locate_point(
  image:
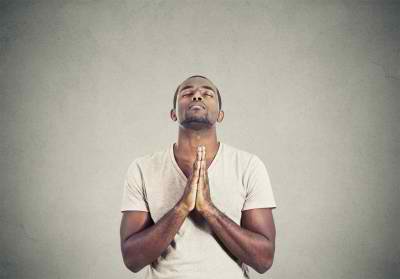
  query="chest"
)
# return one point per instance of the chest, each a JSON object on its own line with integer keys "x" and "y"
{"x": 164, "y": 190}
{"x": 187, "y": 166}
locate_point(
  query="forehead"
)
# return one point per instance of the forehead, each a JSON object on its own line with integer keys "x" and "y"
{"x": 198, "y": 82}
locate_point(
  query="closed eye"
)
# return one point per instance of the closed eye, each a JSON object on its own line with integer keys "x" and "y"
{"x": 187, "y": 92}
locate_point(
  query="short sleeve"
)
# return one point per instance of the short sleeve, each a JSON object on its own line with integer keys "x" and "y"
{"x": 134, "y": 194}
{"x": 258, "y": 186}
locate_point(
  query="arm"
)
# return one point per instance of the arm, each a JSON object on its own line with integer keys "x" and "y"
{"x": 142, "y": 240}
{"x": 253, "y": 242}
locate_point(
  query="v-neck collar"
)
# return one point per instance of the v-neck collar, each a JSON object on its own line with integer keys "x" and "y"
{"x": 210, "y": 168}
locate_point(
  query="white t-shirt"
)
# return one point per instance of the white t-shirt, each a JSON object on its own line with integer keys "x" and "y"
{"x": 238, "y": 181}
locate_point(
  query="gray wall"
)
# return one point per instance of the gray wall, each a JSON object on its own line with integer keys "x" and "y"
{"x": 312, "y": 87}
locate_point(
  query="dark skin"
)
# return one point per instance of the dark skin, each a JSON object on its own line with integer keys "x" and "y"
{"x": 143, "y": 241}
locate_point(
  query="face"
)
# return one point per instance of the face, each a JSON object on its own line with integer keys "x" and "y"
{"x": 197, "y": 104}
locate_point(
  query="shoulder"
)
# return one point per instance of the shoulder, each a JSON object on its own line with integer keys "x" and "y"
{"x": 243, "y": 162}
{"x": 150, "y": 160}
{"x": 238, "y": 155}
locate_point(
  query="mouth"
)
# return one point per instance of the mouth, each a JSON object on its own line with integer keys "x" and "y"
{"x": 197, "y": 106}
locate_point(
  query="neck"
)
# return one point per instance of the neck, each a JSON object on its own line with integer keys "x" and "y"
{"x": 188, "y": 140}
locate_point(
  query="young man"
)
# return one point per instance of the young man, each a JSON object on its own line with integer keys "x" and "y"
{"x": 201, "y": 208}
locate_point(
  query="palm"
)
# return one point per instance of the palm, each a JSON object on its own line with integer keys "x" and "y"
{"x": 203, "y": 191}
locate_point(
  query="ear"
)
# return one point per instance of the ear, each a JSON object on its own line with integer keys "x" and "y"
{"x": 220, "y": 116}
{"x": 173, "y": 115}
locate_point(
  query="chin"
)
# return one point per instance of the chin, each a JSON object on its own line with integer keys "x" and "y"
{"x": 196, "y": 124}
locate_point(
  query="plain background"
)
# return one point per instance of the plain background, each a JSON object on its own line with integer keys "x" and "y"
{"x": 311, "y": 87}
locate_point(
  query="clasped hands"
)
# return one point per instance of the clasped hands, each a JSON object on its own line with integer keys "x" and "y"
{"x": 197, "y": 191}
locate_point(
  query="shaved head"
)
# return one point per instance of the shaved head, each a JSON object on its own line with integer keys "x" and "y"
{"x": 196, "y": 76}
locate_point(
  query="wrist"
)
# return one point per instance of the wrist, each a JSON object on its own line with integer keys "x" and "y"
{"x": 181, "y": 209}
{"x": 207, "y": 209}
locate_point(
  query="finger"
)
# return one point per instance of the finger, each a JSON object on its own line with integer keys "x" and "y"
{"x": 205, "y": 170}
{"x": 198, "y": 157}
{"x": 205, "y": 161}
{"x": 201, "y": 175}
{"x": 206, "y": 175}
{"x": 204, "y": 152}
{"x": 200, "y": 154}
{"x": 202, "y": 170}
{"x": 196, "y": 172}
{"x": 200, "y": 186}
{"x": 196, "y": 167}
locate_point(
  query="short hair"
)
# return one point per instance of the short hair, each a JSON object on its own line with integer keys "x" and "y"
{"x": 176, "y": 92}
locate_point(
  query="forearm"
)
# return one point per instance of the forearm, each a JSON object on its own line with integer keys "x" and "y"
{"x": 142, "y": 248}
{"x": 252, "y": 248}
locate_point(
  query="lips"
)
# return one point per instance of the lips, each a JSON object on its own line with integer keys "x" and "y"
{"x": 197, "y": 106}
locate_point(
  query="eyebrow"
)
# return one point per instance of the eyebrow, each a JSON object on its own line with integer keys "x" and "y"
{"x": 204, "y": 86}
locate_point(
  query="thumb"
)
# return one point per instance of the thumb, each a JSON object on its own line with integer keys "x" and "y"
{"x": 201, "y": 174}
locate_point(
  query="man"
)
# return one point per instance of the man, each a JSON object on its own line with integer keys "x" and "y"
{"x": 201, "y": 208}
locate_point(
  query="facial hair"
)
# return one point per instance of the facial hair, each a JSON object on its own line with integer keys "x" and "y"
{"x": 196, "y": 122}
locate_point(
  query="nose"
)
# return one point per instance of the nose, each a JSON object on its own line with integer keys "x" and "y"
{"x": 197, "y": 96}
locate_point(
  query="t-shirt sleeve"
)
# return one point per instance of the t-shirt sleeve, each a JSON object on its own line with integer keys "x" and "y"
{"x": 258, "y": 186}
{"x": 134, "y": 194}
